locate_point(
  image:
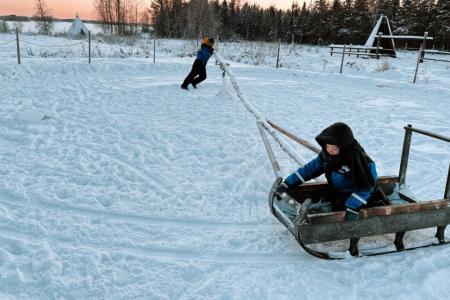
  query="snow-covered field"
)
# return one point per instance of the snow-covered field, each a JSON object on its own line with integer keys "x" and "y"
{"x": 58, "y": 28}
{"x": 117, "y": 184}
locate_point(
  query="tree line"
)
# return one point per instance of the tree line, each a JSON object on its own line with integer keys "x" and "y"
{"x": 320, "y": 21}
{"x": 122, "y": 16}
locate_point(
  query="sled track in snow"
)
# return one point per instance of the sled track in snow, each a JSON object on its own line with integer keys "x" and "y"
{"x": 146, "y": 220}
{"x": 159, "y": 253}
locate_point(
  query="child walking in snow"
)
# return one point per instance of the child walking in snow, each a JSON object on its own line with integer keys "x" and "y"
{"x": 198, "y": 72}
{"x": 348, "y": 169}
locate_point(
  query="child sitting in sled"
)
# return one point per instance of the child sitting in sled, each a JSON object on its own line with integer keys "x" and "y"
{"x": 348, "y": 169}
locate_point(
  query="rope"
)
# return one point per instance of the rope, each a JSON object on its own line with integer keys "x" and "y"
{"x": 50, "y": 46}
{"x": 3, "y": 44}
{"x": 259, "y": 117}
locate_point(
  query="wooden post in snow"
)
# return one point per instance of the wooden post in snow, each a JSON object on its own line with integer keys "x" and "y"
{"x": 378, "y": 44}
{"x": 278, "y": 52}
{"x": 405, "y": 156}
{"x": 89, "y": 35}
{"x": 17, "y": 45}
{"x": 342, "y": 60}
{"x": 154, "y": 48}
{"x": 419, "y": 58}
{"x": 424, "y": 46}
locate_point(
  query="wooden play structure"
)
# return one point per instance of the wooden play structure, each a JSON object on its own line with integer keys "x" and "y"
{"x": 381, "y": 42}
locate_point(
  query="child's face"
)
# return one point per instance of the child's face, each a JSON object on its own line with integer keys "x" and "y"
{"x": 332, "y": 149}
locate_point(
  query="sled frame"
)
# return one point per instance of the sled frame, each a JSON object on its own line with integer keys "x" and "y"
{"x": 317, "y": 228}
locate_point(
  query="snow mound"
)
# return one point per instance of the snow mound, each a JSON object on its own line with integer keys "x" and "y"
{"x": 35, "y": 116}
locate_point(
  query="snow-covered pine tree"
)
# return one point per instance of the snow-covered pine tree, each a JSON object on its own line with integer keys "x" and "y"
{"x": 440, "y": 26}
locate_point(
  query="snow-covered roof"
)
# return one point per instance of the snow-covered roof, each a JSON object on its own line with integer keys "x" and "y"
{"x": 77, "y": 27}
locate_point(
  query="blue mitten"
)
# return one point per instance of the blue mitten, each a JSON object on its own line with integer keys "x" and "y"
{"x": 281, "y": 189}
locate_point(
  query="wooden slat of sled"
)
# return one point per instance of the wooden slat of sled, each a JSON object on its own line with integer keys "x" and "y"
{"x": 322, "y": 184}
{"x": 379, "y": 211}
{"x": 376, "y": 225}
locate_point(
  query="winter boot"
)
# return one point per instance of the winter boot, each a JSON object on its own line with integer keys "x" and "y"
{"x": 184, "y": 87}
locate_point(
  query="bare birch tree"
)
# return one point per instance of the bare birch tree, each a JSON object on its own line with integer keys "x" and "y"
{"x": 118, "y": 16}
{"x": 45, "y": 19}
{"x": 201, "y": 19}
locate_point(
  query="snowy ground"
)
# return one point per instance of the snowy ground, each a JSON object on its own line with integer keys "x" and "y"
{"x": 117, "y": 184}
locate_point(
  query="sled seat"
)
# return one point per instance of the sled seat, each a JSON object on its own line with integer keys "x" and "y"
{"x": 398, "y": 219}
{"x": 404, "y": 215}
{"x": 410, "y": 208}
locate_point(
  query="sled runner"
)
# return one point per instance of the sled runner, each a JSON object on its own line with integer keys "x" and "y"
{"x": 396, "y": 210}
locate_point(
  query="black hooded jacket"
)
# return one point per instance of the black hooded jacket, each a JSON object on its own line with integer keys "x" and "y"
{"x": 352, "y": 154}
{"x": 352, "y": 172}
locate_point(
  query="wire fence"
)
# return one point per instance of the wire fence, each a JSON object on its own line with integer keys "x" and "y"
{"x": 89, "y": 49}
{"x": 24, "y": 45}
{"x": 52, "y": 46}
{"x": 6, "y": 43}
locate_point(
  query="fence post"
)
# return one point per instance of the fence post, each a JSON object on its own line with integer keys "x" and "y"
{"x": 17, "y": 45}
{"x": 405, "y": 155}
{"x": 424, "y": 43}
{"x": 342, "y": 60}
{"x": 89, "y": 35}
{"x": 378, "y": 44}
{"x": 278, "y": 52}
{"x": 419, "y": 58}
{"x": 154, "y": 48}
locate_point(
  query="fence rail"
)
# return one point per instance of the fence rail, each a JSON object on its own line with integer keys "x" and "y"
{"x": 437, "y": 52}
{"x": 361, "y": 47}
{"x": 404, "y": 37}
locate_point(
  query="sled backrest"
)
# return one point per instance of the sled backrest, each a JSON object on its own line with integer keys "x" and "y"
{"x": 317, "y": 190}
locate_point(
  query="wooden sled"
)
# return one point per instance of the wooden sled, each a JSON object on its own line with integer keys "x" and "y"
{"x": 405, "y": 214}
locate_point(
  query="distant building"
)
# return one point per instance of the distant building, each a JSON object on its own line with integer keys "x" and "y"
{"x": 77, "y": 28}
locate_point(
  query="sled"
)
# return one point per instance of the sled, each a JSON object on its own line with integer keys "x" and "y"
{"x": 398, "y": 212}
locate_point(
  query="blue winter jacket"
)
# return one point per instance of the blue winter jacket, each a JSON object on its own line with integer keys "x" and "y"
{"x": 204, "y": 53}
{"x": 341, "y": 180}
